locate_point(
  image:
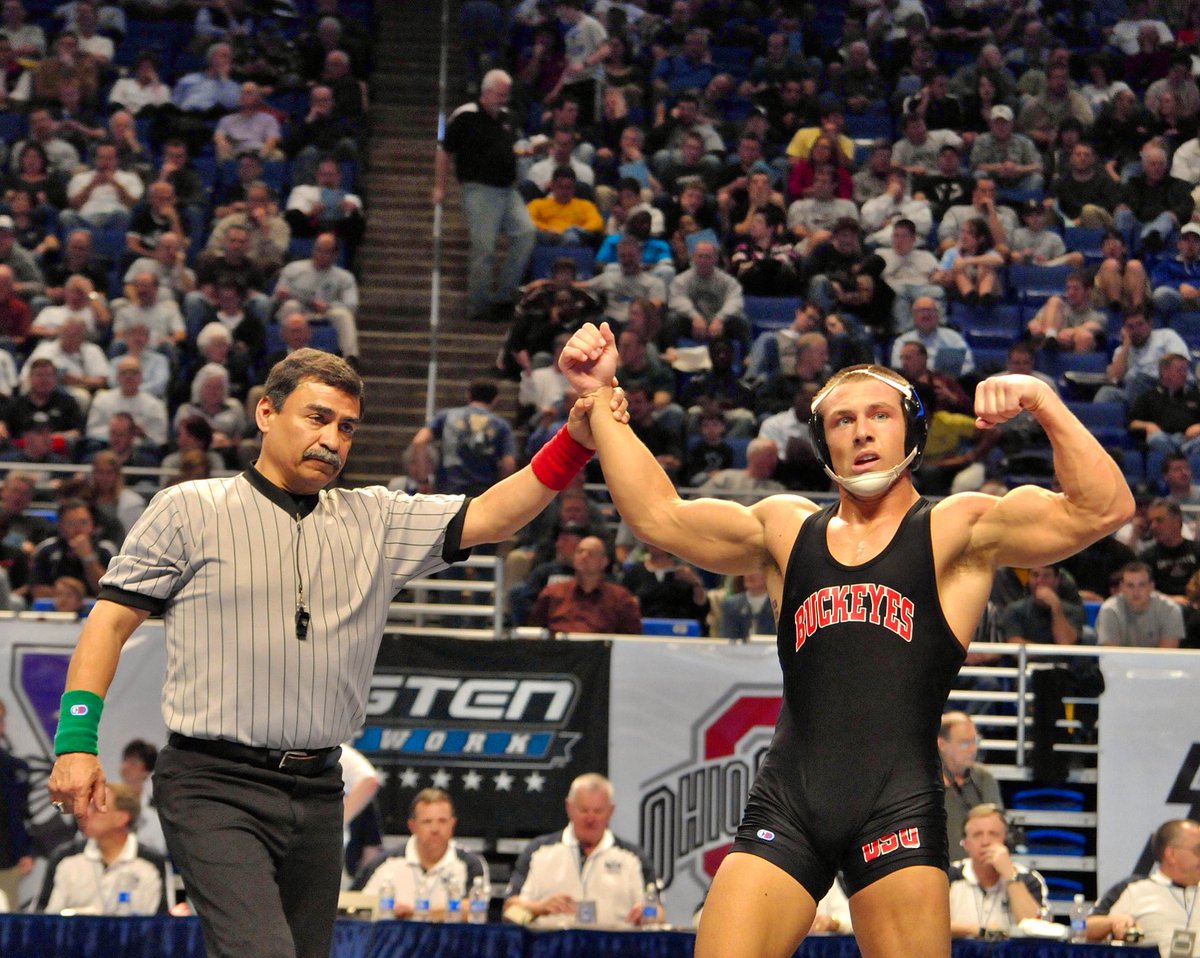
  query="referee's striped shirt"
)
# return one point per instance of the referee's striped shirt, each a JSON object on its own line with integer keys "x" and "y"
{"x": 224, "y": 560}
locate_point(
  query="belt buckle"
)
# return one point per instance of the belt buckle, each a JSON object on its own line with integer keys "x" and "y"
{"x": 295, "y": 758}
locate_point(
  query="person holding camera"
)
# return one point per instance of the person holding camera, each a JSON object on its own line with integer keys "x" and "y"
{"x": 990, "y": 894}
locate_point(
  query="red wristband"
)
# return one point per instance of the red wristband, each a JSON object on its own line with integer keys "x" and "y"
{"x": 557, "y": 462}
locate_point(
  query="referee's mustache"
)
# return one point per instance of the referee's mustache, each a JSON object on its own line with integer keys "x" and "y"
{"x": 322, "y": 454}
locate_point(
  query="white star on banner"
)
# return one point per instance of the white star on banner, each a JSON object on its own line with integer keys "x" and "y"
{"x": 440, "y": 779}
{"x": 472, "y": 780}
{"x": 409, "y": 778}
{"x": 534, "y": 781}
{"x": 504, "y": 782}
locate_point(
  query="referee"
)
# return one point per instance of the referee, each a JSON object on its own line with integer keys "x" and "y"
{"x": 274, "y": 590}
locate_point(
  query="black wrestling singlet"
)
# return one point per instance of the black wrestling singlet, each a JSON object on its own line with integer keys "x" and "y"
{"x": 868, "y": 661}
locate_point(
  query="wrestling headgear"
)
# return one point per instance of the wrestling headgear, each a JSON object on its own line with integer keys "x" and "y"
{"x": 916, "y": 429}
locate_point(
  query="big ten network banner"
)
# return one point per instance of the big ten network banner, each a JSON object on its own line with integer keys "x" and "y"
{"x": 1149, "y": 767}
{"x": 691, "y": 722}
{"x": 33, "y": 670}
{"x": 502, "y": 726}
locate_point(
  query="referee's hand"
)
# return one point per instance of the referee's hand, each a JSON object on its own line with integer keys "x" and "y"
{"x": 77, "y": 781}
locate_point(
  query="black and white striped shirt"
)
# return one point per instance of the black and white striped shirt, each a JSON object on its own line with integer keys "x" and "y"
{"x": 224, "y": 561}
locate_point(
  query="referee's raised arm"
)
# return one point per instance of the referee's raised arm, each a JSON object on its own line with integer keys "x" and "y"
{"x": 77, "y": 780}
{"x": 513, "y": 502}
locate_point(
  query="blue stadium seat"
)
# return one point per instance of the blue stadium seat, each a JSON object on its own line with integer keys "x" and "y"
{"x": 989, "y": 359}
{"x": 12, "y": 126}
{"x": 324, "y": 338}
{"x": 869, "y": 126}
{"x": 1028, "y": 281}
{"x": 1080, "y": 239}
{"x": 998, "y": 325}
{"x": 1054, "y": 841}
{"x": 1105, "y": 421}
{"x": 733, "y": 60}
{"x": 771, "y": 312}
{"x": 1058, "y": 365}
{"x": 1049, "y": 799}
{"x": 544, "y": 256}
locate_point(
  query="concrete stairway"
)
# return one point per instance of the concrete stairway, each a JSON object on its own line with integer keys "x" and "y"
{"x": 395, "y": 259}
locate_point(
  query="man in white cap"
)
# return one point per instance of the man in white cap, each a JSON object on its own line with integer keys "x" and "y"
{"x": 1009, "y": 158}
{"x": 1175, "y": 280}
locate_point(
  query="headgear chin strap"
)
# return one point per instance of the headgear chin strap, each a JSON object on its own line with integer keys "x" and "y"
{"x": 871, "y": 485}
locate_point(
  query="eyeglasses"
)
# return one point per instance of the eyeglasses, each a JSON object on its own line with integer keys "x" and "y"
{"x": 967, "y": 743}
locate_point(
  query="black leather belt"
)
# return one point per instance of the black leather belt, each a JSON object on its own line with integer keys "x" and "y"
{"x": 312, "y": 761}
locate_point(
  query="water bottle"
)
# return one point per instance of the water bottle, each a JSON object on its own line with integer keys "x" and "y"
{"x": 387, "y": 900}
{"x": 421, "y": 903}
{"x": 1079, "y": 919}
{"x": 651, "y": 907}
{"x": 454, "y": 910}
{"x": 477, "y": 906}
{"x": 124, "y": 906}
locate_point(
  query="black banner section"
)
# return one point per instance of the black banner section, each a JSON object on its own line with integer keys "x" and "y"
{"x": 502, "y": 726}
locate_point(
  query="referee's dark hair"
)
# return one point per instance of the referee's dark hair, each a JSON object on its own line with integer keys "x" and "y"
{"x": 309, "y": 364}
{"x": 427, "y": 796}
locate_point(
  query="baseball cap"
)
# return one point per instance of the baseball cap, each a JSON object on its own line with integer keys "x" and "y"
{"x": 1001, "y": 112}
{"x": 6, "y": 223}
{"x": 1191, "y": 229}
{"x": 1032, "y": 206}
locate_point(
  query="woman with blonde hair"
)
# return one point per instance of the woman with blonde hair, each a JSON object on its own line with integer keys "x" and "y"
{"x": 110, "y": 497}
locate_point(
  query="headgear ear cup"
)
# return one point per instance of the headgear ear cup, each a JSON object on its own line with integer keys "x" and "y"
{"x": 916, "y": 431}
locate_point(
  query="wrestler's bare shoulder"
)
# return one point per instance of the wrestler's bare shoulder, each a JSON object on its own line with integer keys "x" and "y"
{"x": 781, "y": 517}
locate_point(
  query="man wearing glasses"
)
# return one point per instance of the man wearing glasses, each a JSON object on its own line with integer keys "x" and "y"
{"x": 967, "y": 783}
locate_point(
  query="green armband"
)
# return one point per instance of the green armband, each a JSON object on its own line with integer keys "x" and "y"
{"x": 78, "y": 722}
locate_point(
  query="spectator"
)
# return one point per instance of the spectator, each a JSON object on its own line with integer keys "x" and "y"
{"x": 81, "y": 126}
{"x": 230, "y": 264}
{"x": 1135, "y": 363}
{"x": 705, "y": 301}
{"x": 879, "y": 215}
{"x": 1043, "y": 115}
{"x": 27, "y": 39}
{"x": 324, "y": 291}
{"x": 1154, "y": 204}
{"x": 74, "y": 551}
{"x": 16, "y": 861}
{"x": 149, "y": 412}
{"x": 250, "y": 127}
{"x": 103, "y": 196}
{"x": 1034, "y": 243}
{"x": 205, "y": 94}
{"x": 710, "y": 453}
{"x": 588, "y": 602}
{"x": 945, "y": 185}
{"x": 430, "y": 859}
{"x": 235, "y": 337}
{"x": 113, "y": 500}
{"x": 88, "y": 876}
{"x": 1001, "y": 220}
{"x": 618, "y": 288}
{"x": 158, "y": 214}
{"x": 871, "y": 181}
{"x": 935, "y": 338}
{"x": 1172, "y": 559}
{"x": 1008, "y": 158}
{"x": 43, "y": 394}
{"x": 1137, "y": 615}
{"x": 124, "y": 445}
{"x": 1042, "y": 616}
{"x": 295, "y": 332}
{"x": 751, "y": 482}
{"x": 916, "y": 152}
{"x": 267, "y": 232}
{"x": 989, "y": 892}
{"x": 798, "y": 466}
{"x": 52, "y": 160}
{"x": 15, "y": 319}
{"x": 749, "y": 611}
{"x": 210, "y": 399}
{"x": 655, "y": 254}
{"x": 168, "y": 264}
{"x": 690, "y": 69}
{"x": 1085, "y": 195}
{"x": 908, "y": 271}
{"x": 80, "y": 302}
{"x": 719, "y": 388}
{"x": 586, "y": 44}
{"x": 562, "y": 217}
{"x": 1176, "y": 280}
{"x": 667, "y": 588}
{"x": 1069, "y": 320}
{"x": 76, "y": 257}
{"x": 159, "y": 315}
{"x": 812, "y": 220}
{"x": 967, "y": 782}
{"x": 82, "y": 366}
{"x": 1168, "y": 414}
{"x": 193, "y": 434}
{"x": 970, "y": 270}
{"x": 326, "y": 207}
{"x": 547, "y": 882}
{"x": 322, "y": 132}
{"x": 766, "y": 262}
{"x": 476, "y": 448}
{"x": 1176, "y": 474}
{"x": 563, "y": 143}
{"x": 28, "y": 277}
{"x": 177, "y": 169}
{"x": 142, "y": 89}
{"x": 1149, "y": 903}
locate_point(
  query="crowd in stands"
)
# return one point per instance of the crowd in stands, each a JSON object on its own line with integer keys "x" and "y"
{"x": 178, "y": 210}
{"x": 756, "y": 194}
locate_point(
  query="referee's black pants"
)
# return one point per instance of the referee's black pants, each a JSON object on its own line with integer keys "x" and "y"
{"x": 260, "y": 852}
